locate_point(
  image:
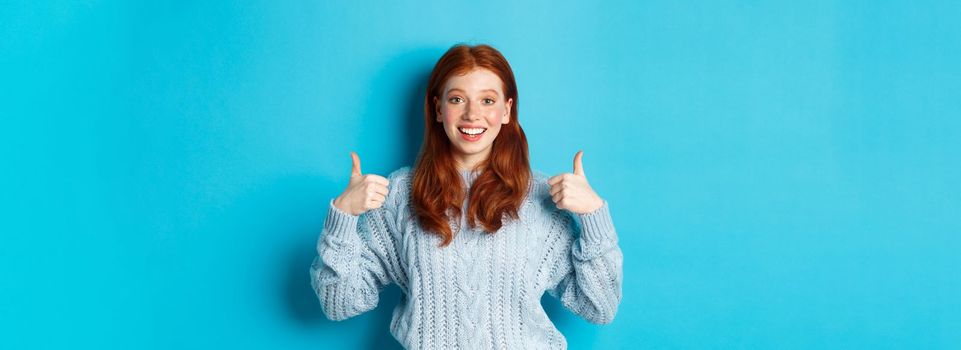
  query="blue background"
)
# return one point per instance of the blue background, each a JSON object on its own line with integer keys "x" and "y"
{"x": 781, "y": 175}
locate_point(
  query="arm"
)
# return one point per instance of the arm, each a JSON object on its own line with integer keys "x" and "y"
{"x": 356, "y": 258}
{"x": 590, "y": 267}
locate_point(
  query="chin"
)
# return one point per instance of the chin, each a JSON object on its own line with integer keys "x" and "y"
{"x": 472, "y": 150}
{"x": 468, "y": 151}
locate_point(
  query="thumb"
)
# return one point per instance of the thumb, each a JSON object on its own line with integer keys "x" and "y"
{"x": 355, "y": 169}
{"x": 578, "y": 167}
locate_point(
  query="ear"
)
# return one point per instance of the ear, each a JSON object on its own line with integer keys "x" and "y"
{"x": 507, "y": 111}
{"x": 437, "y": 109}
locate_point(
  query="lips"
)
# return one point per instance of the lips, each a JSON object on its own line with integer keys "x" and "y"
{"x": 471, "y": 134}
{"x": 472, "y": 131}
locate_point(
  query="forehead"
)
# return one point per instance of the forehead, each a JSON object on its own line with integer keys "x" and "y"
{"x": 475, "y": 81}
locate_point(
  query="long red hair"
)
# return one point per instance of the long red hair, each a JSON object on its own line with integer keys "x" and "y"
{"x": 438, "y": 191}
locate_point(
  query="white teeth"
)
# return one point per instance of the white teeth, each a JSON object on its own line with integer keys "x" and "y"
{"x": 471, "y": 131}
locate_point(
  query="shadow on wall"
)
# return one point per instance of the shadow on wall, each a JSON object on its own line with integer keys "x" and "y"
{"x": 397, "y": 89}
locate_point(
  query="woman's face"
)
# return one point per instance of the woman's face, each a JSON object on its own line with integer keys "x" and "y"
{"x": 472, "y": 108}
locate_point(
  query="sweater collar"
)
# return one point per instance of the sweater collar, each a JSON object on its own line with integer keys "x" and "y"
{"x": 469, "y": 176}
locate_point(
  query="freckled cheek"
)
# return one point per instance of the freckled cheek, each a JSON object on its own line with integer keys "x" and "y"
{"x": 492, "y": 117}
{"x": 489, "y": 112}
{"x": 451, "y": 113}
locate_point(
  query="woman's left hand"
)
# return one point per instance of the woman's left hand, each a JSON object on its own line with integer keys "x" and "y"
{"x": 572, "y": 192}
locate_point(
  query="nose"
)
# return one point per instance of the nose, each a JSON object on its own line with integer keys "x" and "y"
{"x": 469, "y": 112}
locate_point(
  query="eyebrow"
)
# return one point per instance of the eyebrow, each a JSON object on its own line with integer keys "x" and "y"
{"x": 485, "y": 90}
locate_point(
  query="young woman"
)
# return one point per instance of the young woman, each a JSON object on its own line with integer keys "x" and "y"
{"x": 471, "y": 236}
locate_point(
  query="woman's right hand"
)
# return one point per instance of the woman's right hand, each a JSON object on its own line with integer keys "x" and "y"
{"x": 363, "y": 193}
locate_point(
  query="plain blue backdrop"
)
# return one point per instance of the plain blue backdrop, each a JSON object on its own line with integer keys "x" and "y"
{"x": 781, "y": 174}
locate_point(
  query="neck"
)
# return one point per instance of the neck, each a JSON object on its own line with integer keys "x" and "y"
{"x": 470, "y": 162}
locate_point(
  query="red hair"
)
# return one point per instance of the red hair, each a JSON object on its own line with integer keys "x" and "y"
{"x": 437, "y": 192}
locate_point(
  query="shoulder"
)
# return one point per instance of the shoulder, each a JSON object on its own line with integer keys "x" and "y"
{"x": 394, "y": 210}
{"x": 398, "y": 190}
{"x": 551, "y": 224}
{"x": 539, "y": 176}
{"x": 540, "y": 189}
{"x": 400, "y": 175}
{"x": 540, "y": 193}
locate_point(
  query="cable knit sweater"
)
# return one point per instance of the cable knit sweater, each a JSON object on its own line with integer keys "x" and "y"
{"x": 483, "y": 290}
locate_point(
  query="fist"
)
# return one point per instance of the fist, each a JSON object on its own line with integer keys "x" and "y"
{"x": 572, "y": 192}
{"x": 363, "y": 193}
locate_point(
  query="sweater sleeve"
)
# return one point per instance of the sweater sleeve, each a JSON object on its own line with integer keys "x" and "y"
{"x": 356, "y": 258}
{"x": 590, "y": 266}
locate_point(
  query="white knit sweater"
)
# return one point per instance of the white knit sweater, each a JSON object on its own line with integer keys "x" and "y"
{"x": 483, "y": 290}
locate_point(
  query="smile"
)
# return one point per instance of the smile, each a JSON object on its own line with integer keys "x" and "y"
{"x": 471, "y": 131}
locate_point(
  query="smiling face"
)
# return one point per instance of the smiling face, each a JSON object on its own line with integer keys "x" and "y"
{"x": 473, "y": 108}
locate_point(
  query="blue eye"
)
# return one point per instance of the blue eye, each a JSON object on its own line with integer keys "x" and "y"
{"x": 454, "y": 100}
{"x": 489, "y": 101}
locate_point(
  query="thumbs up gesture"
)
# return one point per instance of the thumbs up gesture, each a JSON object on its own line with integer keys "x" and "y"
{"x": 572, "y": 192}
{"x": 363, "y": 193}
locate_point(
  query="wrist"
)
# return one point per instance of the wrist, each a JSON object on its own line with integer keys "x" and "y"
{"x": 340, "y": 205}
{"x": 598, "y": 203}
{"x": 597, "y": 226}
{"x": 339, "y": 225}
